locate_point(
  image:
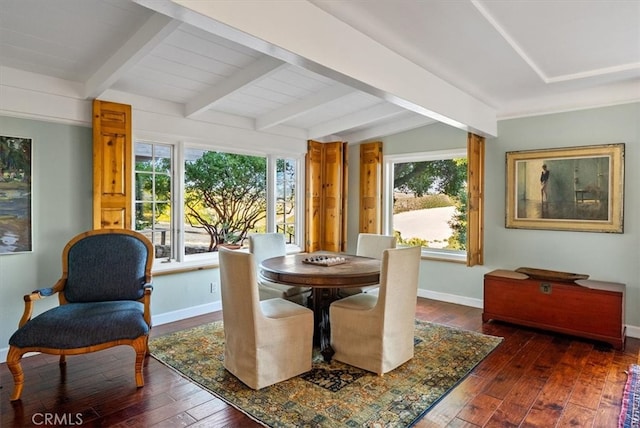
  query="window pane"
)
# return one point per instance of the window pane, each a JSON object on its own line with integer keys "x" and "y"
{"x": 144, "y": 216}
{"x": 225, "y": 198}
{"x": 144, "y": 186}
{"x": 430, "y": 199}
{"x": 162, "y": 159}
{"x": 144, "y": 153}
{"x": 162, "y": 229}
{"x": 162, "y": 187}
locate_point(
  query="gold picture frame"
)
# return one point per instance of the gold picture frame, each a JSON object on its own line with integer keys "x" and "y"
{"x": 574, "y": 188}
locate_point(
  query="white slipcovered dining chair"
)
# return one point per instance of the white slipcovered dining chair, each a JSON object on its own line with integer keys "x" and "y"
{"x": 267, "y": 245}
{"x": 265, "y": 341}
{"x": 369, "y": 245}
{"x": 375, "y": 333}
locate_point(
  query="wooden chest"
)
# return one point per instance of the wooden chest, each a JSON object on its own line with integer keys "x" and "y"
{"x": 586, "y": 308}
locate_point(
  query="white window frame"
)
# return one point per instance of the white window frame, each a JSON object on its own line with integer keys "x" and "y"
{"x": 272, "y": 163}
{"x": 179, "y": 260}
{"x": 459, "y": 256}
{"x": 172, "y": 148}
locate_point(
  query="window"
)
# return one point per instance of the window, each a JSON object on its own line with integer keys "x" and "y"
{"x": 219, "y": 199}
{"x": 286, "y": 198}
{"x": 426, "y": 201}
{"x": 153, "y": 173}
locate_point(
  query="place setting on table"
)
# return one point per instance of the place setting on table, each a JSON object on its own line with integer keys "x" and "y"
{"x": 325, "y": 260}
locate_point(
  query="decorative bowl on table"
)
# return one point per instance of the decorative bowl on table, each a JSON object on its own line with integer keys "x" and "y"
{"x": 324, "y": 260}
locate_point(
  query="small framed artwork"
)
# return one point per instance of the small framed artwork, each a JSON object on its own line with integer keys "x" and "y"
{"x": 575, "y": 188}
{"x": 15, "y": 195}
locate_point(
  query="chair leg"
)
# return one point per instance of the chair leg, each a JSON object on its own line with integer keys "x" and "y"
{"x": 13, "y": 363}
{"x": 63, "y": 359}
{"x": 140, "y": 345}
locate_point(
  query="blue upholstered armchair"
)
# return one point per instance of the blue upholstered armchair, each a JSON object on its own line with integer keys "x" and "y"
{"x": 104, "y": 295}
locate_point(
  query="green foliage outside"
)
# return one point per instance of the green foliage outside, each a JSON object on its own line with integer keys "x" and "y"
{"x": 225, "y": 195}
{"x": 458, "y": 240}
{"x": 445, "y": 176}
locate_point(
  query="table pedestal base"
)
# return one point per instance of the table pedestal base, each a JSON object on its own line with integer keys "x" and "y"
{"x": 321, "y": 298}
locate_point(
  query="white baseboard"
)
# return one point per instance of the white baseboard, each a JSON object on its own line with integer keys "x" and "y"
{"x": 182, "y": 314}
{"x": 450, "y": 298}
{"x": 633, "y": 331}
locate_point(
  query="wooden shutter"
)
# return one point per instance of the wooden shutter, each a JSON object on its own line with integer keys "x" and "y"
{"x": 112, "y": 162}
{"x": 475, "y": 200}
{"x": 371, "y": 187}
{"x": 334, "y": 196}
{"x": 326, "y": 166}
{"x": 313, "y": 199}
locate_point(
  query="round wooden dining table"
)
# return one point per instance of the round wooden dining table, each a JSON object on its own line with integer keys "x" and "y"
{"x": 325, "y": 273}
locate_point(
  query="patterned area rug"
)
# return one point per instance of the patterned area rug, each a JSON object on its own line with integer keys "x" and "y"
{"x": 333, "y": 394}
{"x": 630, "y": 412}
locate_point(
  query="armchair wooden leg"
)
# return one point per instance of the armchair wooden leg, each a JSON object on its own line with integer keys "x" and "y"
{"x": 63, "y": 359}
{"x": 13, "y": 363}
{"x": 140, "y": 345}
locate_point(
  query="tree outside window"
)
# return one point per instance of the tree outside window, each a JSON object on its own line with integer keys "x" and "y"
{"x": 225, "y": 197}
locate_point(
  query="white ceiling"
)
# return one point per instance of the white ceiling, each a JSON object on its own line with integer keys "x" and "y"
{"x": 516, "y": 57}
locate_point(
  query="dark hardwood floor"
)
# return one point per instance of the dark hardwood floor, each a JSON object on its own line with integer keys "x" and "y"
{"x": 533, "y": 379}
